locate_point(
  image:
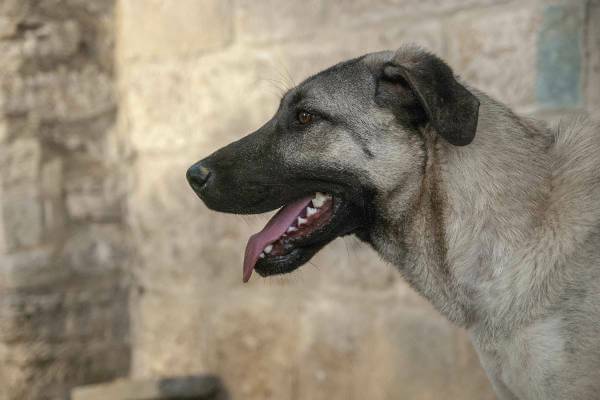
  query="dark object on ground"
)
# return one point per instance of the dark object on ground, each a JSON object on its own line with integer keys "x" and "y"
{"x": 177, "y": 388}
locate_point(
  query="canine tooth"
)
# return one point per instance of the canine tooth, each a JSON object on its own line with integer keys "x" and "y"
{"x": 262, "y": 255}
{"x": 268, "y": 249}
{"x": 310, "y": 211}
{"x": 301, "y": 221}
{"x": 319, "y": 199}
{"x": 292, "y": 229}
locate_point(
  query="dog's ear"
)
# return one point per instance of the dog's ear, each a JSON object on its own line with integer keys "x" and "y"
{"x": 449, "y": 107}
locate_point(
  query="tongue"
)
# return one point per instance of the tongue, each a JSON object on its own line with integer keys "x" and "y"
{"x": 276, "y": 227}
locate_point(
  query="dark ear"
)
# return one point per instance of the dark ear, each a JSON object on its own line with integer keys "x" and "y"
{"x": 449, "y": 107}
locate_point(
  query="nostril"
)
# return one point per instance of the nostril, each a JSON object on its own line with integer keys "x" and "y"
{"x": 197, "y": 175}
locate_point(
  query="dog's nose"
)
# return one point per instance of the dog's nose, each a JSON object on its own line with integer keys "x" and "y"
{"x": 197, "y": 175}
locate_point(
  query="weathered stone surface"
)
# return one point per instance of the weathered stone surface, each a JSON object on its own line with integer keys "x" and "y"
{"x": 254, "y": 345}
{"x": 196, "y": 104}
{"x": 85, "y": 137}
{"x": 54, "y": 367}
{"x": 23, "y": 217}
{"x": 351, "y": 265}
{"x": 94, "y": 312}
{"x": 95, "y": 197}
{"x": 299, "y": 59}
{"x": 95, "y": 250}
{"x": 560, "y": 55}
{"x": 195, "y": 248}
{"x": 20, "y": 161}
{"x": 592, "y": 83}
{"x": 11, "y": 13}
{"x": 194, "y": 76}
{"x": 177, "y": 388}
{"x": 273, "y": 21}
{"x": 163, "y": 29}
{"x": 499, "y": 61}
{"x": 258, "y": 21}
{"x": 63, "y": 305}
{"x": 29, "y": 268}
{"x": 60, "y": 94}
{"x": 383, "y": 349}
{"x": 52, "y": 41}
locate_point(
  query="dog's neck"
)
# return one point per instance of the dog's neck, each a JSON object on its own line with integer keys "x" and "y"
{"x": 478, "y": 209}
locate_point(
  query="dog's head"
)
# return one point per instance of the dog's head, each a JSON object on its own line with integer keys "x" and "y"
{"x": 340, "y": 143}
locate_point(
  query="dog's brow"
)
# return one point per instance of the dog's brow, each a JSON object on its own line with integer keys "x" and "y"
{"x": 296, "y": 98}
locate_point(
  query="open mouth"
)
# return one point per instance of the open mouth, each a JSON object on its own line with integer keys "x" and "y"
{"x": 290, "y": 238}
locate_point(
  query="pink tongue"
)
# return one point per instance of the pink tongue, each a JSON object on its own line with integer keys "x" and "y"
{"x": 270, "y": 233}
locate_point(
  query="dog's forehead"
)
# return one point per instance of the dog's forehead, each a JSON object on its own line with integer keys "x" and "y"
{"x": 341, "y": 82}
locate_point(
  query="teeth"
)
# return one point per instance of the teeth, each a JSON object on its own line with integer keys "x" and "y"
{"x": 320, "y": 199}
{"x": 262, "y": 255}
{"x": 268, "y": 249}
{"x": 292, "y": 229}
{"x": 310, "y": 211}
{"x": 301, "y": 221}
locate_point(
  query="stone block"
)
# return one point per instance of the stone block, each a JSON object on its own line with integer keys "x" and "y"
{"x": 95, "y": 250}
{"x": 300, "y": 59}
{"x": 57, "y": 8}
{"x": 52, "y": 41}
{"x": 497, "y": 60}
{"x": 176, "y": 388}
{"x": 59, "y": 94}
{"x": 274, "y": 21}
{"x": 592, "y": 83}
{"x": 560, "y": 55}
{"x": 537, "y": 64}
{"x": 95, "y": 196}
{"x": 262, "y": 21}
{"x": 23, "y": 217}
{"x": 500, "y": 61}
{"x": 30, "y": 269}
{"x": 85, "y": 138}
{"x": 70, "y": 315}
{"x": 20, "y": 161}
{"x": 196, "y": 104}
{"x": 11, "y": 13}
{"x": 50, "y": 370}
{"x": 158, "y": 29}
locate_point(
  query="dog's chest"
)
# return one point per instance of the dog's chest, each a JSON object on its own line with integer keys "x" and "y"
{"x": 528, "y": 361}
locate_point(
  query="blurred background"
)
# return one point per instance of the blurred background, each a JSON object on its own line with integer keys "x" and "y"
{"x": 110, "y": 267}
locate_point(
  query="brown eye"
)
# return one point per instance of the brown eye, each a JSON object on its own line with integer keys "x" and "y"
{"x": 305, "y": 117}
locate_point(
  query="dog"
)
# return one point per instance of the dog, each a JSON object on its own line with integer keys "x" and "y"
{"x": 494, "y": 218}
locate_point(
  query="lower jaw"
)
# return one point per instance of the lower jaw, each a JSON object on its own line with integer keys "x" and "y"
{"x": 288, "y": 262}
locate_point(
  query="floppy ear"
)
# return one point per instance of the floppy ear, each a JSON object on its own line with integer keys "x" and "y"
{"x": 450, "y": 108}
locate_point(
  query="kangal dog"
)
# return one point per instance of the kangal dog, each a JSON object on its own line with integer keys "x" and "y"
{"x": 492, "y": 217}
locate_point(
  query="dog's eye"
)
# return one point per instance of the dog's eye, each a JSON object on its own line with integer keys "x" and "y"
{"x": 305, "y": 117}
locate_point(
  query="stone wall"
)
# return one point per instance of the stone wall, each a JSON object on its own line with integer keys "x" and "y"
{"x": 205, "y": 72}
{"x": 63, "y": 293}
